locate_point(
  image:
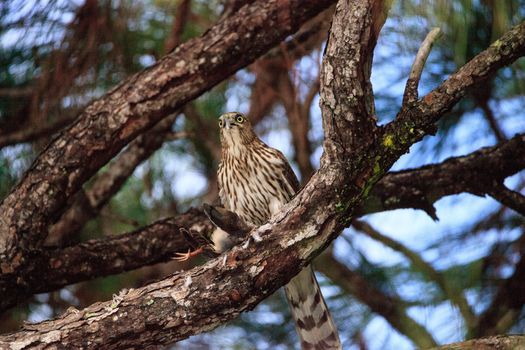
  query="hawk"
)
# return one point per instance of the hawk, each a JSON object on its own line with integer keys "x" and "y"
{"x": 255, "y": 180}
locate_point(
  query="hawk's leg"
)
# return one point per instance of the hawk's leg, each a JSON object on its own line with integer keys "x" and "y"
{"x": 190, "y": 254}
{"x": 198, "y": 244}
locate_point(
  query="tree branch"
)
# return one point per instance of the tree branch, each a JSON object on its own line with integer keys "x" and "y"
{"x": 420, "y": 188}
{"x": 109, "y": 123}
{"x": 54, "y": 268}
{"x": 206, "y": 296}
{"x": 88, "y": 203}
{"x": 501, "y": 342}
{"x": 508, "y": 197}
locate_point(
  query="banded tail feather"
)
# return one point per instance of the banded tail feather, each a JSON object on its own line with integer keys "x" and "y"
{"x": 313, "y": 321}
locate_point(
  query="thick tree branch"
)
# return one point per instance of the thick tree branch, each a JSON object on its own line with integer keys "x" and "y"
{"x": 88, "y": 203}
{"x": 202, "y": 298}
{"x": 54, "y": 268}
{"x": 392, "y": 309}
{"x": 474, "y": 173}
{"x": 109, "y": 123}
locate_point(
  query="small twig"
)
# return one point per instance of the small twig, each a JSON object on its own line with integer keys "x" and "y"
{"x": 491, "y": 120}
{"x": 509, "y": 198}
{"x": 412, "y": 84}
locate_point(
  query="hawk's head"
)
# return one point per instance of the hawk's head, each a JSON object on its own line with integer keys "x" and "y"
{"x": 236, "y": 130}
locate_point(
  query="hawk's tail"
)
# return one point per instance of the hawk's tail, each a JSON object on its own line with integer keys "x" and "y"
{"x": 313, "y": 321}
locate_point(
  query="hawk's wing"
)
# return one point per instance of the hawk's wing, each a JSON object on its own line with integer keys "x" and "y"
{"x": 288, "y": 172}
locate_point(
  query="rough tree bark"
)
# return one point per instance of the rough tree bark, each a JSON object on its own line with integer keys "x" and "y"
{"x": 415, "y": 188}
{"x": 109, "y": 123}
{"x": 206, "y": 296}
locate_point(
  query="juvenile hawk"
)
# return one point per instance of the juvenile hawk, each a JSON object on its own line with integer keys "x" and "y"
{"x": 255, "y": 180}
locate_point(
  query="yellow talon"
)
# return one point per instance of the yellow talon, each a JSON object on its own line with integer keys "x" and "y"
{"x": 180, "y": 257}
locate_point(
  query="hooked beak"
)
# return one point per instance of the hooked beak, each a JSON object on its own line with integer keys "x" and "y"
{"x": 227, "y": 123}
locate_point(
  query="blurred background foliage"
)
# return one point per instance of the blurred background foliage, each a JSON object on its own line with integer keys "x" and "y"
{"x": 56, "y": 56}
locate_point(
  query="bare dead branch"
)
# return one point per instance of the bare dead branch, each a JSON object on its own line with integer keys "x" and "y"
{"x": 411, "y": 95}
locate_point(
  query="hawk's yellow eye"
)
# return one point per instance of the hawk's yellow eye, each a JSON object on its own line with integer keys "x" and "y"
{"x": 220, "y": 123}
{"x": 239, "y": 119}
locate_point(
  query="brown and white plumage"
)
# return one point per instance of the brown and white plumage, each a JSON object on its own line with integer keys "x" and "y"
{"x": 255, "y": 180}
